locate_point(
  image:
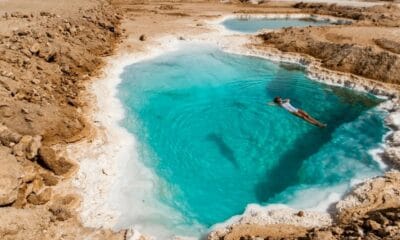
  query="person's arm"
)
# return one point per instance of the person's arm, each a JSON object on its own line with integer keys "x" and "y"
{"x": 287, "y": 100}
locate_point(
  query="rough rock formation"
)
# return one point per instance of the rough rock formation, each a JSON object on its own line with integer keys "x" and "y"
{"x": 59, "y": 165}
{"x": 10, "y": 176}
{"x": 373, "y": 52}
{"x": 389, "y": 45}
{"x": 371, "y": 211}
{"x": 385, "y": 15}
{"x": 375, "y": 194}
{"x": 45, "y": 59}
{"x": 361, "y": 60}
{"x": 368, "y": 47}
{"x": 391, "y": 154}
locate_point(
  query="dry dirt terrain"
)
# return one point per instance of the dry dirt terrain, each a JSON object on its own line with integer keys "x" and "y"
{"x": 49, "y": 50}
{"x": 368, "y": 47}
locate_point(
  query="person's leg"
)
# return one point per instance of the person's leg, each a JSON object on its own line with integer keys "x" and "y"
{"x": 307, "y": 115}
{"x": 303, "y": 113}
{"x": 315, "y": 121}
{"x": 309, "y": 119}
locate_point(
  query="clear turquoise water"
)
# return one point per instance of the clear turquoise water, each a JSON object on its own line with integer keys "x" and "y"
{"x": 204, "y": 127}
{"x": 252, "y": 25}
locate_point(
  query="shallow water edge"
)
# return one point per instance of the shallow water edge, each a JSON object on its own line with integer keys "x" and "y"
{"x": 111, "y": 149}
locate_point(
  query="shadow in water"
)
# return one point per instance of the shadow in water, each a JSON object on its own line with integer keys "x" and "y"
{"x": 348, "y": 96}
{"x": 223, "y": 148}
{"x": 285, "y": 173}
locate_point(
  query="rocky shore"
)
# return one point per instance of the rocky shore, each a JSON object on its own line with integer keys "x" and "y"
{"x": 337, "y": 55}
{"x": 375, "y": 57}
{"x": 49, "y": 52}
{"x": 371, "y": 211}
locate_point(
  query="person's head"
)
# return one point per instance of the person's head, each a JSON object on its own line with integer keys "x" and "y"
{"x": 278, "y": 100}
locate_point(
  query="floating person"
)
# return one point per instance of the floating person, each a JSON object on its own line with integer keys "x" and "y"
{"x": 285, "y": 103}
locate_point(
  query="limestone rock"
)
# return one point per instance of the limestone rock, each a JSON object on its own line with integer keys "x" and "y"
{"x": 28, "y": 146}
{"x": 62, "y": 205}
{"x": 58, "y": 165}
{"x": 60, "y": 212}
{"x": 142, "y": 37}
{"x": 394, "y": 139}
{"x": 377, "y": 193}
{"x": 35, "y": 48}
{"x": 65, "y": 69}
{"x": 7, "y": 136}
{"x": 41, "y": 198}
{"x": 37, "y": 185}
{"x": 51, "y": 55}
{"x": 20, "y": 202}
{"x": 391, "y": 155}
{"x": 373, "y": 225}
{"x": 300, "y": 214}
{"x": 29, "y": 173}
{"x": 49, "y": 179}
{"x": 393, "y": 120}
{"x": 360, "y": 60}
{"x": 388, "y": 45}
{"x": 33, "y": 147}
{"x": 10, "y": 177}
{"x": 326, "y": 235}
{"x": 19, "y": 149}
{"x": 6, "y": 111}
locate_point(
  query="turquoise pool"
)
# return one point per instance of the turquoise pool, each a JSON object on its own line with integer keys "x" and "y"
{"x": 252, "y": 25}
{"x": 205, "y": 128}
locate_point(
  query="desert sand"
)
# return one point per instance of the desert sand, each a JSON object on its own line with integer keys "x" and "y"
{"x": 53, "y": 52}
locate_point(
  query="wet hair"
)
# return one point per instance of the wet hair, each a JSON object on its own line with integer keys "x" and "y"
{"x": 277, "y": 99}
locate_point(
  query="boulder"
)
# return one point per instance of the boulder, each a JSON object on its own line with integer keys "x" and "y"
{"x": 35, "y": 49}
{"x": 60, "y": 212}
{"x": 300, "y": 214}
{"x": 27, "y": 147}
{"x": 49, "y": 179}
{"x": 65, "y": 69}
{"x": 51, "y": 55}
{"x": 40, "y": 198}
{"x": 10, "y": 177}
{"x": 62, "y": 206}
{"x": 20, "y": 202}
{"x": 326, "y": 235}
{"x": 37, "y": 185}
{"x": 142, "y": 37}
{"x": 59, "y": 165}
{"x": 391, "y": 156}
{"x": 7, "y": 136}
{"x": 394, "y": 139}
{"x": 388, "y": 45}
{"x": 33, "y": 147}
{"x": 29, "y": 173}
{"x": 6, "y": 111}
{"x": 393, "y": 120}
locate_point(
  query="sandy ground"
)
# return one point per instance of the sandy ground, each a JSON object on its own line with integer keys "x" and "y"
{"x": 42, "y": 132}
{"x": 354, "y": 3}
{"x": 191, "y": 22}
{"x": 48, "y": 49}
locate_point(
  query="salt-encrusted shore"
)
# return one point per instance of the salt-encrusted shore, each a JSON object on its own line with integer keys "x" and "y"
{"x": 51, "y": 49}
{"x": 390, "y": 153}
{"x": 112, "y": 150}
{"x": 106, "y": 155}
{"x": 217, "y": 23}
